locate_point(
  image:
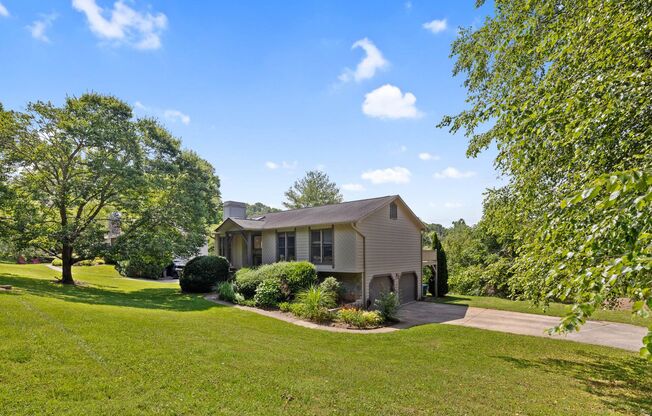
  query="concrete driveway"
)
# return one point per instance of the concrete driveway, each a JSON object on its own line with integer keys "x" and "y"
{"x": 610, "y": 334}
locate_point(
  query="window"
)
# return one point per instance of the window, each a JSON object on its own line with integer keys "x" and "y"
{"x": 393, "y": 211}
{"x": 222, "y": 246}
{"x": 321, "y": 246}
{"x": 257, "y": 252}
{"x": 286, "y": 247}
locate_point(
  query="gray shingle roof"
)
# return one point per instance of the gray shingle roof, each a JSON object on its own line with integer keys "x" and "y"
{"x": 249, "y": 224}
{"x": 345, "y": 212}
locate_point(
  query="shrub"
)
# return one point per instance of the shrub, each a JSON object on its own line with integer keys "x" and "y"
{"x": 299, "y": 275}
{"x": 293, "y": 277}
{"x": 359, "y": 318}
{"x": 284, "y": 306}
{"x": 226, "y": 291}
{"x": 387, "y": 306}
{"x": 331, "y": 284}
{"x": 139, "y": 268}
{"x": 315, "y": 303}
{"x": 202, "y": 273}
{"x": 246, "y": 281}
{"x": 247, "y": 302}
{"x": 88, "y": 262}
{"x": 57, "y": 262}
{"x": 268, "y": 293}
{"x": 298, "y": 309}
{"x": 238, "y": 298}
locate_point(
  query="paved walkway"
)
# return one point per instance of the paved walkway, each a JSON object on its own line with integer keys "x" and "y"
{"x": 624, "y": 336}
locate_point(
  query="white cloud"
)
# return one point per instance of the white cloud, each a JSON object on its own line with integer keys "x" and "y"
{"x": 38, "y": 27}
{"x": 389, "y": 102}
{"x": 453, "y": 173}
{"x": 428, "y": 156}
{"x": 285, "y": 165}
{"x": 408, "y": 5}
{"x": 176, "y": 115}
{"x": 451, "y": 204}
{"x": 141, "y": 30}
{"x": 170, "y": 114}
{"x": 3, "y": 11}
{"x": 390, "y": 175}
{"x": 353, "y": 187}
{"x": 436, "y": 26}
{"x": 367, "y": 68}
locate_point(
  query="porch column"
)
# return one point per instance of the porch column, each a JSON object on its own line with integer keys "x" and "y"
{"x": 246, "y": 238}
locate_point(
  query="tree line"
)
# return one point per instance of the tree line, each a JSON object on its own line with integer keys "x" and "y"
{"x": 562, "y": 90}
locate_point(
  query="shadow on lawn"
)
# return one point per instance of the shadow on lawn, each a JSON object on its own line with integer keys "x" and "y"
{"x": 150, "y": 298}
{"x": 623, "y": 384}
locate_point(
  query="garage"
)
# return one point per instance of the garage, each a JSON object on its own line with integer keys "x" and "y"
{"x": 407, "y": 287}
{"x": 378, "y": 286}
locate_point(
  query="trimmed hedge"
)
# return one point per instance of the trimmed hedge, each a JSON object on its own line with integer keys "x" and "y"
{"x": 292, "y": 277}
{"x": 139, "y": 268}
{"x": 201, "y": 274}
{"x": 247, "y": 281}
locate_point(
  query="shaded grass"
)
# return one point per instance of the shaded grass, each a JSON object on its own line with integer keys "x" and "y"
{"x": 118, "y": 346}
{"x": 554, "y": 309}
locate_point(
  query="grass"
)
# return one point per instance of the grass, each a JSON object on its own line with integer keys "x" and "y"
{"x": 123, "y": 347}
{"x": 554, "y": 309}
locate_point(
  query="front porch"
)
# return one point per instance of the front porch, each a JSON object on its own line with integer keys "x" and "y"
{"x": 242, "y": 248}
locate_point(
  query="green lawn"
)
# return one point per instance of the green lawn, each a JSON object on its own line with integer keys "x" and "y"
{"x": 121, "y": 347}
{"x": 554, "y": 309}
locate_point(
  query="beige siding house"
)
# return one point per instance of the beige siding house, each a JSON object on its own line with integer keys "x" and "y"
{"x": 372, "y": 245}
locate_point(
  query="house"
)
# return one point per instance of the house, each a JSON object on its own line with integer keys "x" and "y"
{"x": 372, "y": 245}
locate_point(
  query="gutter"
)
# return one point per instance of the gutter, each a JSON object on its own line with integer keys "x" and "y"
{"x": 364, "y": 263}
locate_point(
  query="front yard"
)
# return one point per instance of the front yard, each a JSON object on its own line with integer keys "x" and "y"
{"x": 120, "y": 346}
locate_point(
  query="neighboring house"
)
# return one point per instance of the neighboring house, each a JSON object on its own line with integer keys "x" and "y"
{"x": 372, "y": 245}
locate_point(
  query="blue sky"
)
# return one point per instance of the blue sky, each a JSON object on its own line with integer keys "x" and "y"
{"x": 267, "y": 90}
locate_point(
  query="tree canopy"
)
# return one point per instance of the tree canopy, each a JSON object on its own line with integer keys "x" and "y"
{"x": 312, "y": 190}
{"x": 77, "y": 163}
{"x": 563, "y": 91}
{"x": 259, "y": 209}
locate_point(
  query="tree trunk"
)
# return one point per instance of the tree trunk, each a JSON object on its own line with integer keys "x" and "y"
{"x": 66, "y": 266}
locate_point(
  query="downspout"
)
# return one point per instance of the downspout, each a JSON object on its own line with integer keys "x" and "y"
{"x": 364, "y": 263}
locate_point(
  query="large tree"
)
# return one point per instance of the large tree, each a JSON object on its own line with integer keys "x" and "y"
{"x": 312, "y": 190}
{"x": 77, "y": 163}
{"x": 562, "y": 88}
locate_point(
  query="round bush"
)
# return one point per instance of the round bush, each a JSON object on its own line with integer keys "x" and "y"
{"x": 202, "y": 273}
